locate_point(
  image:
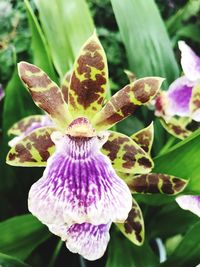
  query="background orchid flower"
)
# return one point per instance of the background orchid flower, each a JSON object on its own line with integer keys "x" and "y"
{"x": 81, "y": 193}
{"x": 182, "y": 97}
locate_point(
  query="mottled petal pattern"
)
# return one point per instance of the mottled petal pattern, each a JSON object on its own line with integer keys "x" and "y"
{"x": 45, "y": 93}
{"x": 126, "y": 101}
{"x": 33, "y": 150}
{"x": 126, "y": 155}
{"x": 79, "y": 185}
{"x": 195, "y": 103}
{"x": 177, "y": 127}
{"x": 133, "y": 227}
{"x": 179, "y": 95}
{"x": 144, "y": 138}
{"x": 190, "y": 62}
{"x": 191, "y": 203}
{"x": 30, "y": 123}
{"x": 89, "y": 80}
{"x": 65, "y": 85}
{"x": 153, "y": 183}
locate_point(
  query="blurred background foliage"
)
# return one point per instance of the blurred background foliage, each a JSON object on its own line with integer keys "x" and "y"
{"x": 137, "y": 35}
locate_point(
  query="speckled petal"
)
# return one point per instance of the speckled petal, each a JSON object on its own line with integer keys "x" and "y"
{"x": 89, "y": 80}
{"x": 144, "y": 138}
{"x": 30, "y": 123}
{"x": 79, "y": 185}
{"x": 177, "y": 127}
{"x": 179, "y": 95}
{"x": 33, "y": 150}
{"x": 191, "y": 203}
{"x": 190, "y": 62}
{"x": 45, "y": 93}
{"x": 126, "y": 155}
{"x": 126, "y": 101}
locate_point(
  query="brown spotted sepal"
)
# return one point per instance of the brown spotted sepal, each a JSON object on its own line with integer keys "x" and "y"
{"x": 65, "y": 85}
{"x": 45, "y": 93}
{"x": 126, "y": 101}
{"x": 144, "y": 138}
{"x": 133, "y": 227}
{"x": 33, "y": 150}
{"x": 195, "y": 103}
{"x": 125, "y": 155}
{"x": 24, "y": 124}
{"x": 156, "y": 183}
{"x": 177, "y": 127}
{"x": 89, "y": 80}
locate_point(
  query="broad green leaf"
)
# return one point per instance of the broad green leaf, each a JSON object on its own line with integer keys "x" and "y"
{"x": 41, "y": 55}
{"x": 121, "y": 253}
{"x": 183, "y": 160}
{"x": 176, "y": 21}
{"x": 33, "y": 150}
{"x": 133, "y": 227}
{"x": 21, "y": 235}
{"x": 8, "y": 261}
{"x": 188, "y": 251}
{"x": 169, "y": 220}
{"x": 145, "y": 38}
{"x": 67, "y": 25}
{"x": 126, "y": 155}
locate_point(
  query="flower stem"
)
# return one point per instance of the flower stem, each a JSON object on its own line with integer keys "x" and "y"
{"x": 56, "y": 253}
{"x": 82, "y": 261}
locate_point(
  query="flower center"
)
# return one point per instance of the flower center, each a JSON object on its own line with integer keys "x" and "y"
{"x": 81, "y": 127}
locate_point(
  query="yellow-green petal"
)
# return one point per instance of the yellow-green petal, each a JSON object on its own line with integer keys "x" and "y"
{"x": 33, "y": 150}
{"x": 144, "y": 138}
{"x": 89, "y": 80}
{"x": 156, "y": 183}
{"x": 126, "y": 101}
{"x": 133, "y": 227}
{"x": 125, "y": 155}
{"x": 45, "y": 93}
{"x": 21, "y": 126}
{"x": 65, "y": 85}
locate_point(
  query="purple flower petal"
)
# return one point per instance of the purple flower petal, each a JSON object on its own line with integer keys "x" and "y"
{"x": 79, "y": 185}
{"x": 191, "y": 203}
{"x": 86, "y": 239}
{"x": 179, "y": 95}
{"x": 190, "y": 62}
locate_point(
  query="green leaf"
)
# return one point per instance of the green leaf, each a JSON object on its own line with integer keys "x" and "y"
{"x": 122, "y": 253}
{"x": 187, "y": 252}
{"x": 21, "y": 235}
{"x": 145, "y": 38}
{"x": 182, "y": 160}
{"x": 67, "y": 25}
{"x": 39, "y": 45}
{"x": 8, "y": 261}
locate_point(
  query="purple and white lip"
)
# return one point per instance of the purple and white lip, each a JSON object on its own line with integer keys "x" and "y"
{"x": 79, "y": 184}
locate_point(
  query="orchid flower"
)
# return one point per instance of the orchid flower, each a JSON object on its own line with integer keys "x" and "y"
{"x": 82, "y": 190}
{"x": 183, "y": 96}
